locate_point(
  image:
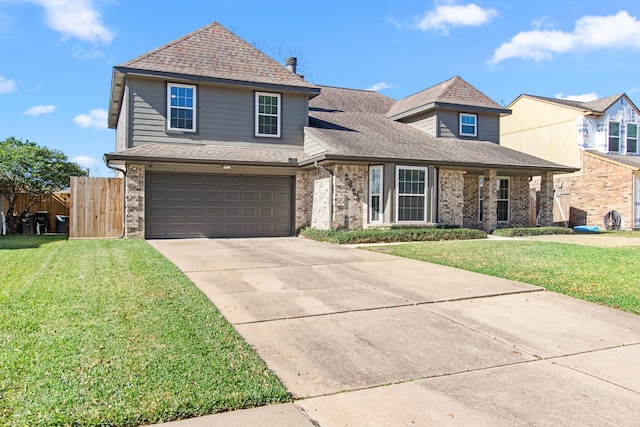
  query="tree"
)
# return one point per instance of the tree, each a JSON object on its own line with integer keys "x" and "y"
{"x": 35, "y": 171}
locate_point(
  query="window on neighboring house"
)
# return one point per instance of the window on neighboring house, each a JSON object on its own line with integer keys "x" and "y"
{"x": 614, "y": 137}
{"x": 411, "y": 185}
{"x": 502, "y": 196}
{"x": 632, "y": 138}
{"x": 468, "y": 124}
{"x": 268, "y": 114}
{"x": 181, "y": 107}
{"x": 375, "y": 194}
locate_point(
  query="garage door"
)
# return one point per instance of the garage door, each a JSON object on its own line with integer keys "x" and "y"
{"x": 181, "y": 205}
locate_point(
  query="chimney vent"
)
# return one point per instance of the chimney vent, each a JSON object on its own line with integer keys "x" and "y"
{"x": 292, "y": 64}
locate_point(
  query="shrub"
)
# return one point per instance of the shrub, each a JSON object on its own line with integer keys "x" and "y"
{"x": 535, "y": 231}
{"x": 394, "y": 234}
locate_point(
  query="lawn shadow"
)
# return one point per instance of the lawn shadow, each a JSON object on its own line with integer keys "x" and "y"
{"x": 21, "y": 241}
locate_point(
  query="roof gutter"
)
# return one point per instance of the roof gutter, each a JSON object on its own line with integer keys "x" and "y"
{"x": 109, "y": 157}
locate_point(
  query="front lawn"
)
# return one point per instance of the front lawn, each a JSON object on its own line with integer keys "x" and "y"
{"x": 608, "y": 276}
{"x": 108, "y": 332}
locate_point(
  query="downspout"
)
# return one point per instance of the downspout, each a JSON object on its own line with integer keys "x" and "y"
{"x": 330, "y": 172}
{"x": 124, "y": 197}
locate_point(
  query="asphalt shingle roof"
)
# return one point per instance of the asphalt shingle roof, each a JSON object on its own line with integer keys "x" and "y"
{"x": 453, "y": 91}
{"x": 596, "y": 106}
{"x": 369, "y": 133}
{"x": 209, "y": 153}
{"x": 214, "y": 51}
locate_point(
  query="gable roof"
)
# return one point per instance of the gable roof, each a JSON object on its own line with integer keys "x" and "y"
{"x": 597, "y": 106}
{"x": 211, "y": 53}
{"x": 214, "y": 51}
{"x": 367, "y": 134}
{"x": 454, "y": 92}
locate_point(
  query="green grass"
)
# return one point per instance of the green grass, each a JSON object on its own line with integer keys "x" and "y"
{"x": 385, "y": 235}
{"x": 108, "y": 332}
{"x": 607, "y": 276}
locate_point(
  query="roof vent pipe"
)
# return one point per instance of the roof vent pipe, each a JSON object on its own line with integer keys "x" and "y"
{"x": 292, "y": 64}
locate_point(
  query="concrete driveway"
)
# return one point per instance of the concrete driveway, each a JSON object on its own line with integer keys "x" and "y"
{"x": 362, "y": 338}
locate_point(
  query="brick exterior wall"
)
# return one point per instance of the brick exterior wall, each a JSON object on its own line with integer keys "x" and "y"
{"x": 134, "y": 197}
{"x": 489, "y": 203}
{"x": 519, "y": 194}
{"x": 304, "y": 195}
{"x": 604, "y": 186}
{"x": 350, "y": 190}
{"x": 470, "y": 212}
{"x": 451, "y": 186}
{"x": 321, "y": 213}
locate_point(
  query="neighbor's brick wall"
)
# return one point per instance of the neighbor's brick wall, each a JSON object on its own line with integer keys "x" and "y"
{"x": 451, "y": 185}
{"x": 134, "y": 201}
{"x": 603, "y": 186}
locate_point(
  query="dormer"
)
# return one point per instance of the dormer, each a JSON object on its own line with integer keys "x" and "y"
{"x": 451, "y": 109}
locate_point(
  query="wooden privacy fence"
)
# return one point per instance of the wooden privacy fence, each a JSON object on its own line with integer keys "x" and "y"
{"x": 96, "y": 207}
{"x": 57, "y": 204}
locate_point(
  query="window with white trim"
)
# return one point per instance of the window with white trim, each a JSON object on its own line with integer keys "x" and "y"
{"x": 614, "y": 137}
{"x": 268, "y": 115}
{"x": 502, "y": 214}
{"x": 632, "y": 138}
{"x": 411, "y": 190}
{"x": 468, "y": 124}
{"x": 181, "y": 107}
{"x": 375, "y": 194}
{"x": 502, "y": 199}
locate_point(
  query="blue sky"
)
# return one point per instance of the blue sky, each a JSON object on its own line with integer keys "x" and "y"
{"x": 58, "y": 55}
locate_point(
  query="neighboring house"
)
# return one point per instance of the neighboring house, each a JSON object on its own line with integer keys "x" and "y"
{"x": 218, "y": 140}
{"x": 598, "y": 137}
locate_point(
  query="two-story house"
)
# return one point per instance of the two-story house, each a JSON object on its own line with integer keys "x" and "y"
{"x": 216, "y": 139}
{"x": 599, "y": 137}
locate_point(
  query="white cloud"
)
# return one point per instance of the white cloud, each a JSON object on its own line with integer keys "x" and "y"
{"x": 449, "y": 14}
{"x": 620, "y": 31}
{"x": 7, "y": 85}
{"x": 379, "y": 86}
{"x": 39, "y": 110}
{"x": 96, "y": 119}
{"x": 591, "y": 96}
{"x": 86, "y": 161}
{"x": 75, "y": 18}
{"x": 87, "y": 54}
{"x": 633, "y": 89}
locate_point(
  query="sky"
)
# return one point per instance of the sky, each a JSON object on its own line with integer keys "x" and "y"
{"x": 58, "y": 55}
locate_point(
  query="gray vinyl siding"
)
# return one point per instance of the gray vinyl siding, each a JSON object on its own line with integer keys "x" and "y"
{"x": 122, "y": 129}
{"x": 426, "y": 122}
{"x": 224, "y": 114}
{"x": 488, "y": 126}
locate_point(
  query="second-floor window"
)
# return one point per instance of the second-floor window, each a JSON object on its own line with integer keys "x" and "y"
{"x": 181, "y": 107}
{"x": 268, "y": 114}
{"x": 614, "y": 137}
{"x": 468, "y": 124}
{"x": 632, "y": 138}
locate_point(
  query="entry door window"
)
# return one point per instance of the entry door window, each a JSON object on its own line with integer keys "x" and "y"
{"x": 411, "y": 184}
{"x": 375, "y": 194}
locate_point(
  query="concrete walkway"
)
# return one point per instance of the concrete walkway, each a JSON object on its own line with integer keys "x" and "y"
{"x": 364, "y": 339}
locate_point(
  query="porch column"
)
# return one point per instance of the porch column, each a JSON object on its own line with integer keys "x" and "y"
{"x": 546, "y": 199}
{"x": 490, "y": 201}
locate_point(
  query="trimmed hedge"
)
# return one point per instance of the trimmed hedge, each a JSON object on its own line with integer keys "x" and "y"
{"x": 534, "y": 231}
{"x": 386, "y": 235}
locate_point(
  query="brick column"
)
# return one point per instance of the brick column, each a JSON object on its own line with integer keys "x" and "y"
{"x": 451, "y": 203}
{"x": 546, "y": 199}
{"x": 134, "y": 201}
{"x": 490, "y": 201}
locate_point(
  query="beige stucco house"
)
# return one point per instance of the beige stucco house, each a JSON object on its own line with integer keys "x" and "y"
{"x": 216, "y": 139}
{"x": 598, "y": 137}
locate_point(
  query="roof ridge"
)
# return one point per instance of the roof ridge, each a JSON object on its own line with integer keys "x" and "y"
{"x": 173, "y": 42}
{"x": 449, "y": 85}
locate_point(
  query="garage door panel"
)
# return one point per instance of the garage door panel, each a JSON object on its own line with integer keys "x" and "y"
{"x": 216, "y": 205}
